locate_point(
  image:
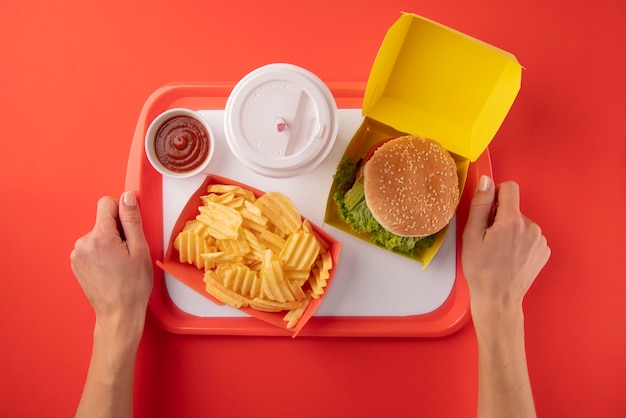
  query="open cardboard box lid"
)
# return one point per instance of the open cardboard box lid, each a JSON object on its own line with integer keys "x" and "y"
{"x": 433, "y": 81}
{"x": 436, "y": 82}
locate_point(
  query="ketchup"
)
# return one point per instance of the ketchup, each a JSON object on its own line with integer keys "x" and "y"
{"x": 182, "y": 144}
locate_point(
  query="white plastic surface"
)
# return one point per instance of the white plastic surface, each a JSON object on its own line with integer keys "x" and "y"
{"x": 369, "y": 281}
{"x": 281, "y": 120}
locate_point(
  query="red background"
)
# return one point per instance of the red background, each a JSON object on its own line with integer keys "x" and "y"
{"x": 73, "y": 79}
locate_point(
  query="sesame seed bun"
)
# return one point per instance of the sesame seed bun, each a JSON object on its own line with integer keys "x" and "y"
{"x": 411, "y": 186}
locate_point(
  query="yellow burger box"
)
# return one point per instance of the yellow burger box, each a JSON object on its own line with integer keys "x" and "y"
{"x": 433, "y": 81}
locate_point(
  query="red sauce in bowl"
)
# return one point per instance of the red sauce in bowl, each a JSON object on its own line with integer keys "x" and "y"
{"x": 182, "y": 144}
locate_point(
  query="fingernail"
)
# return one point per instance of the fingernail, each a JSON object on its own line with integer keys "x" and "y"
{"x": 484, "y": 183}
{"x": 130, "y": 199}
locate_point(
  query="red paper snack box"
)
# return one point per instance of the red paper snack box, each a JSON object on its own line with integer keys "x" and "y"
{"x": 191, "y": 276}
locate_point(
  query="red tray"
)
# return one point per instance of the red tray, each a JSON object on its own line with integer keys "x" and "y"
{"x": 141, "y": 177}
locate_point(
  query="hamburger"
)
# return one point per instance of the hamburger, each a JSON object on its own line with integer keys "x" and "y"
{"x": 402, "y": 192}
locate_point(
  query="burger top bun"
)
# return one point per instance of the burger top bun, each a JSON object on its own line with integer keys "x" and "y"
{"x": 411, "y": 186}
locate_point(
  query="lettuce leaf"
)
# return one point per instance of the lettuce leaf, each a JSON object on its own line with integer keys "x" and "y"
{"x": 351, "y": 207}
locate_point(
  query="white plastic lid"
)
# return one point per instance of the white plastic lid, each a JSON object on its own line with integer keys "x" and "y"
{"x": 281, "y": 120}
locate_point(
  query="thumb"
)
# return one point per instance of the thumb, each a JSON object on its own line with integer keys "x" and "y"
{"x": 480, "y": 208}
{"x": 130, "y": 219}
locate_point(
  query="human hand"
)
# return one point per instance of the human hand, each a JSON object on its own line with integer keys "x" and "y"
{"x": 113, "y": 266}
{"x": 500, "y": 260}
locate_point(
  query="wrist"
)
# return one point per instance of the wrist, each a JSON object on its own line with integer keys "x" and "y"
{"x": 122, "y": 331}
{"x": 108, "y": 389}
{"x": 497, "y": 319}
{"x": 115, "y": 345}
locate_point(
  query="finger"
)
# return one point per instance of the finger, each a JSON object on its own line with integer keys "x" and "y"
{"x": 73, "y": 260}
{"x": 106, "y": 214}
{"x": 546, "y": 254}
{"x": 544, "y": 250}
{"x": 480, "y": 208}
{"x": 508, "y": 200}
{"x": 130, "y": 219}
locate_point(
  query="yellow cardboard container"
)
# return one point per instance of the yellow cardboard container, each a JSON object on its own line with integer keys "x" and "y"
{"x": 436, "y": 82}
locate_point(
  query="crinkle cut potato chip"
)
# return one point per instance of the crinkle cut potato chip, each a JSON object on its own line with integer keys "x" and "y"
{"x": 221, "y": 221}
{"x": 256, "y": 252}
{"x": 280, "y": 211}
